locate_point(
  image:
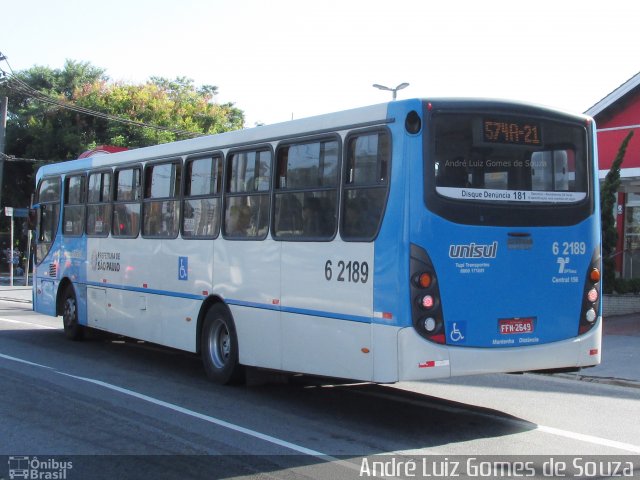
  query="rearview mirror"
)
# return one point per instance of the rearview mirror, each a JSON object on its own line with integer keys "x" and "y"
{"x": 32, "y": 218}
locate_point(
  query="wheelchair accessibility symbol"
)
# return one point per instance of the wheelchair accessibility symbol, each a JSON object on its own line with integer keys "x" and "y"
{"x": 183, "y": 268}
{"x": 457, "y": 332}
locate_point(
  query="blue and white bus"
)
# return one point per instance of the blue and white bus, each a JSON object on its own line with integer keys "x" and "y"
{"x": 411, "y": 240}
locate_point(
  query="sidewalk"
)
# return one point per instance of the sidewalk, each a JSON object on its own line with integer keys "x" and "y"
{"x": 620, "y": 353}
{"x": 620, "y": 345}
{"x": 16, "y": 293}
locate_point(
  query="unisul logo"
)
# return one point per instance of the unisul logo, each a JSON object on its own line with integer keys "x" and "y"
{"x": 473, "y": 250}
{"x": 36, "y": 469}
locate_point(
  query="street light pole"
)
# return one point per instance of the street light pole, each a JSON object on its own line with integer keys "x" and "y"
{"x": 394, "y": 91}
{"x": 4, "y": 102}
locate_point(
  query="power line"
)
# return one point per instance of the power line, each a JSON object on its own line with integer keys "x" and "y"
{"x": 11, "y": 158}
{"x": 15, "y": 84}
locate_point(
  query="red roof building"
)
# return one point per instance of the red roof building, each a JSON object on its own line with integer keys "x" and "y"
{"x": 616, "y": 115}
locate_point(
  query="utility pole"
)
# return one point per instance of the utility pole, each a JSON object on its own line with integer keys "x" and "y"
{"x": 4, "y": 103}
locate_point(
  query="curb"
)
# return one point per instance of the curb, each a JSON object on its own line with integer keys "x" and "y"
{"x": 17, "y": 300}
{"x": 619, "y": 382}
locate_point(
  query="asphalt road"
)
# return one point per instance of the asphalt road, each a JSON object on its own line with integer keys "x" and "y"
{"x": 121, "y": 408}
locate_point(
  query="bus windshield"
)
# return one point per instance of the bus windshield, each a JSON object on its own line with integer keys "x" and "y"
{"x": 490, "y": 158}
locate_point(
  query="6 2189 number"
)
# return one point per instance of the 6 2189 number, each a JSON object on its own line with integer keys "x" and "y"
{"x": 351, "y": 271}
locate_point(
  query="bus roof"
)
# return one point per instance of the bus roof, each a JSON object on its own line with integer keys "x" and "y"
{"x": 373, "y": 115}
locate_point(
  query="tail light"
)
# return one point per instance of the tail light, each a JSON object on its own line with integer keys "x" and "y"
{"x": 426, "y": 308}
{"x": 591, "y": 296}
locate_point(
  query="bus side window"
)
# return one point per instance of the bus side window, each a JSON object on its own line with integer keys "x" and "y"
{"x": 49, "y": 212}
{"x": 98, "y": 204}
{"x": 201, "y": 207}
{"x": 247, "y": 202}
{"x": 307, "y": 191}
{"x": 73, "y": 214}
{"x": 365, "y": 186}
{"x": 126, "y": 207}
{"x": 161, "y": 205}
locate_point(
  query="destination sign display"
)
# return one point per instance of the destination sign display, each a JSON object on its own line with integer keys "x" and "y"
{"x": 513, "y": 132}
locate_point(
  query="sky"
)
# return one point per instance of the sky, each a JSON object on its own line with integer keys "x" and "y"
{"x": 282, "y": 59}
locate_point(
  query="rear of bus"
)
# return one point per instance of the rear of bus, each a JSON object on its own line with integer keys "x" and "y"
{"x": 504, "y": 242}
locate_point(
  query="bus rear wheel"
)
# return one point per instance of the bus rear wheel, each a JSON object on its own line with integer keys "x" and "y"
{"x": 72, "y": 329}
{"x": 219, "y": 347}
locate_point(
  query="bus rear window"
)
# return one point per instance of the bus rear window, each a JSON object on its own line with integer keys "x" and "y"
{"x": 494, "y": 159}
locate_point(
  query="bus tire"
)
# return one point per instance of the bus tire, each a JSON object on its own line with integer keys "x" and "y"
{"x": 219, "y": 346}
{"x": 72, "y": 329}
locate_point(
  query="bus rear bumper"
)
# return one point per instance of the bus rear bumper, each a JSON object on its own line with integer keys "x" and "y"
{"x": 419, "y": 359}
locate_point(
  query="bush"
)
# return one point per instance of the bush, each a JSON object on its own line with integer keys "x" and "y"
{"x": 624, "y": 285}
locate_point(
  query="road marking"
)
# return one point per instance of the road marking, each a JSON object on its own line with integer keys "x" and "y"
{"x": 19, "y": 360}
{"x": 306, "y": 451}
{"x": 191, "y": 413}
{"x": 201, "y": 416}
{"x": 37, "y": 325}
{"x": 629, "y": 447}
{"x": 589, "y": 438}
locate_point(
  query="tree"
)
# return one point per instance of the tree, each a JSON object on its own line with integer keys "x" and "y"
{"x": 36, "y": 129}
{"x": 46, "y": 119}
{"x": 608, "y": 193}
{"x": 171, "y": 104}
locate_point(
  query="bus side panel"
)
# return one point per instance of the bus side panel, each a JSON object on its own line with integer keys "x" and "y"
{"x": 48, "y": 280}
{"x": 113, "y": 265}
{"x": 45, "y": 298}
{"x": 136, "y": 288}
{"x": 326, "y": 346}
{"x": 96, "y": 307}
{"x": 66, "y": 259}
{"x": 73, "y": 265}
{"x": 392, "y": 244}
{"x": 259, "y": 336}
{"x": 327, "y": 308}
{"x": 392, "y": 310}
{"x": 247, "y": 277}
{"x": 162, "y": 319}
{"x": 384, "y": 342}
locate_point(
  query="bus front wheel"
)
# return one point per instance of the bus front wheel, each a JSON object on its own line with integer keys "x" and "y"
{"x": 219, "y": 346}
{"x": 72, "y": 329}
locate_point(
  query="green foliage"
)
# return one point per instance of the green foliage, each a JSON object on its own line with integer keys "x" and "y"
{"x": 40, "y": 130}
{"x": 608, "y": 193}
{"x": 622, "y": 285}
{"x": 175, "y": 104}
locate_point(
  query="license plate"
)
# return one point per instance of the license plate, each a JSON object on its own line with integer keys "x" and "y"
{"x": 510, "y": 326}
